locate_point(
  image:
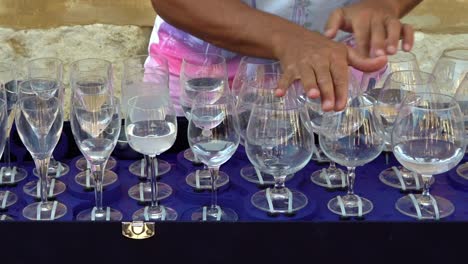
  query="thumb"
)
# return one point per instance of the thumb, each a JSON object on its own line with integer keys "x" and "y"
{"x": 365, "y": 64}
{"x": 334, "y": 23}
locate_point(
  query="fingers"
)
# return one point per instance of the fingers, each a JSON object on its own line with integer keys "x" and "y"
{"x": 362, "y": 32}
{"x": 339, "y": 73}
{"x": 325, "y": 84}
{"x": 377, "y": 39}
{"x": 309, "y": 81}
{"x": 363, "y": 63}
{"x": 334, "y": 23}
{"x": 287, "y": 78}
{"x": 393, "y": 35}
{"x": 408, "y": 37}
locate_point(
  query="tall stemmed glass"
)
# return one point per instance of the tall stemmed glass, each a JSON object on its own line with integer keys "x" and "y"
{"x": 354, "y": 137}
{"x": 95, "y": 122}
{"x": 279, "y": 141}
{"x": 428, "y": 138}
{"x": 145, "y": 75}
{"x": 151, "y": 126}
{"x": 10, "y": 175}
{"x": 7, "y": 198}
{"x": 331, "y": 177}
{"x": 91, "y": 79}
{"x": 462, "y": 99}
{"x": 48, "y": 69}
{"x": 202, "y": 73}
{"x": 52, "y": 88}
{"x": 39, "y": 120}
{"x": 450, "y": 69}
{"x": 397, "y": 87}
{"x": 249, "y": 83}
{"x": 213, "y": 136}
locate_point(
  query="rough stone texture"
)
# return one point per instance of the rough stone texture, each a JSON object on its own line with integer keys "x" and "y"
{"x": 113, "y": 43}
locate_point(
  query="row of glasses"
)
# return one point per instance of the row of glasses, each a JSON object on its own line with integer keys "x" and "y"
{"x": 7, "y": 198}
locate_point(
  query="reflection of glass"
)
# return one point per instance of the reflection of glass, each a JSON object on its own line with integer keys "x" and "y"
{"x": 39, "y": 120}
{"x": 279, "y": 142}
{"x": 151, "y": 127}
{"x": 397, "y": 87}
{"x": 428, "y": 138}
{"x": 450, "y": 69}
{"x": 144, "y": 75}
{"x": 351, "y": 146}
{"x": 48, "y": 68}
{"x": 10, "y": 175}
{"x": 213, "y": 137}
{"x": 202, "y": 73}
{"x": 91, "y": 79}
{"x": 96, "y": 128}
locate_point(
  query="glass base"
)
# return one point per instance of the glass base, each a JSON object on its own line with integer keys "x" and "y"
{"x": 211, "y": 215}
{"x": 390, "y": 178}
{"x": 4, "y": 217}
{"x": 82, "y": 164}
{"x": 462, "y": 171}
{"x": 280, "y": 201}
{"x": 87, "y": 181}
{"x": 250, "y": 174}
{"x": 31, "y": 190}
{"x": 350, "y": 206}
{"x": 109, "y": 214}
{"x": 45, "y": 211}
{"x": 205, "y": 179}
{"x": 53, "y": 170}
{"x": 406, "y": 206}
{"x": 155, "y": 214}
{"x": 11, "y": 199}
{"x": 320, "y": 159}
{"x": 188, "y": 155}
{"x": 335, "y": 178}
{"x": 7, "y": 178}
{"x": 135, "y": 168}
{"x": 142, "y": 192}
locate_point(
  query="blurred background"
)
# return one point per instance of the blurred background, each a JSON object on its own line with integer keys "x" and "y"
{"x": 115, "y": 29}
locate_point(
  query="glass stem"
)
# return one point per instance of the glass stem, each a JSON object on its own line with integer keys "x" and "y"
{"x": 214, "y": 173}
{"x": 350, "y": 178}
{"x": 332, "y": 166}
{"x": 152, "y": 170}
{"x": 42, "y": 166}
{"x": 98, "y": 173}
{"x": 279, "y": 186}
{"x": 426, "y": 185}
{"x": 7, "y": 152}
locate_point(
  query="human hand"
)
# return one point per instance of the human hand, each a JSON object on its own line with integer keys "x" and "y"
{"x": 376, "y": 26}
{"x": 321, "y": 65}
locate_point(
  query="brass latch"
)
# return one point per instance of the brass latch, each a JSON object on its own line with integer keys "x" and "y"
{"x": 138, "y": 229}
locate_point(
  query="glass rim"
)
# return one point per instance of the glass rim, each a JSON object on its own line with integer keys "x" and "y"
{"x": 75, "y": 64}
{"x": 408, "y": 56}
{"x": 56, "y": 59}
{"x": 446, "y": 52}
{"x": 192, "y": 60}
{"x": 29, "y": 80}
{"x": 23, "y": 98}
{"x": 262, "y": 61}
{"x": 7, "y": 67}
{"x": 453, "y": 101}
{"x": 430, "y": 77}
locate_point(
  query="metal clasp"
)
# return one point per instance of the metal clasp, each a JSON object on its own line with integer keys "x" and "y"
{"x": 138, "y": 229}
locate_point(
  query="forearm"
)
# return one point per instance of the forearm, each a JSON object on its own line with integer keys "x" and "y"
{"x": 401, "y": 7}
{"x": 229, "y": 24}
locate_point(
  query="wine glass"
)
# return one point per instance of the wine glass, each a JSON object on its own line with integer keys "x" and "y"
{"x": 213, "y": 136}
{"x": 202, "y": 73}
{"x": 151, "y": 126}
{"x": 462, "y": 99}
{"x": 92, "y": 80}
{"x": 52, "y": 69}
{"x": 450, "y": 69}
{"x": 39, "y": 120}
{"x": 428, "y": 138}
{"x": 95, "y": 122}
{"x": 397, "y": 87}
{"x": 279, "y": 141}
{"x": 355, "y": 138}
{"x": 44, "y": 88}
{"x": 145, "y": 75}
{"x": 331, "y": 177}
{"x": 7, "y": 198}
{"x": 262, "y": 85}
{"x": 10, "y": 175}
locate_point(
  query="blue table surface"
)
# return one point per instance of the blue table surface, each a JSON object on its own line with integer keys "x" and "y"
{"x": 238, "y": 192}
